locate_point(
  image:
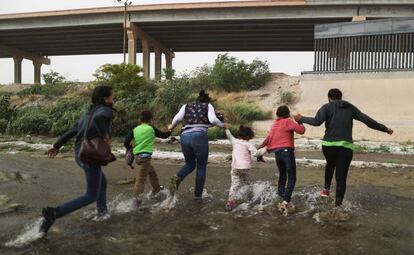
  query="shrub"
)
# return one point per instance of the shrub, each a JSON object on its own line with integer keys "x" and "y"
{"x": 124, "y": 78}
{"x": 5, "y": 107}
{"x": 129, "y": 107}
{"x": 242, "y": 113}
{"x": 30, "y": 120}
{"x": 230, "y": 74}
{"x": 65, "y": 113}
{"x": 53, "y": 78}
{"x": 171, "y": 96}
{"x": 286, "y": 97}
{"x": 3, "y": 125}
{"x": 48, "y": 90}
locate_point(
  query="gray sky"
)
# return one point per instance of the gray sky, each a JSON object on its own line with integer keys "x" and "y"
{"x": 82, "y": 67}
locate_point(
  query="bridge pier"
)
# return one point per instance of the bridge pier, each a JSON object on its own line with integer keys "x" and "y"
{"x": 148, "y": 43}
{"x": 146, "y": 51}
{"x": 158, "y": 64}
{"x": 18, "y": 69}
{"x": 37, "y": 71}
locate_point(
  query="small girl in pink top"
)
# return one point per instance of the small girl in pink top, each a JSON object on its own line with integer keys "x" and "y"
{"x": 243, "y": 150}
{"x": 280, "y": 141}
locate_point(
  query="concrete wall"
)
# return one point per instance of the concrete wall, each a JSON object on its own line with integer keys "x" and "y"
{"x": 386, "y": 97}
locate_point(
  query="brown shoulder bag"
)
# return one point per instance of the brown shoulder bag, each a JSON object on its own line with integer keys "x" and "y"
{"x": 95, "y": 151}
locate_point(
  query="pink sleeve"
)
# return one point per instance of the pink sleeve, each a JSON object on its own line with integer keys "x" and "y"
{"x": 296, "y": 127}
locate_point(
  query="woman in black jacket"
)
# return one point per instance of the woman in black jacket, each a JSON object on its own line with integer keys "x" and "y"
{"x": 100, "y": 116}
{"x": 337, "y": 145}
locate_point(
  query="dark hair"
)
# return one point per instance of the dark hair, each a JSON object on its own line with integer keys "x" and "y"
{"x": 99, "y": 94}
{"x": 283, "y": 112}
{"x": 245, "y": 133}
{"x": 203, "y": 97}
{"x": 335, "y": 94}
{"x": 145, "y": 116}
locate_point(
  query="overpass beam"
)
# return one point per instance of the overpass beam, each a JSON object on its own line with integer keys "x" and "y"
{"x": 37, "y": 71}
{"x": 158, "y": 64}
{"x": 18, "y": 69}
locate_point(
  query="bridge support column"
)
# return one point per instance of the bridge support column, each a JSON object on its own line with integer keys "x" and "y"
{"x": 37, "y": 71}
{"x": 158, "y": 64}
{"x": 132, "y": 46}
{"x": 146, "y": 51}
{"x": 17, "y": 69}
{"x": 168, "y": 61}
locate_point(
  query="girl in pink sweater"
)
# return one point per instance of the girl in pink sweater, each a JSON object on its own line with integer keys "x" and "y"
{"x": 280, "y": 141}
{"x": 243, "y": 150}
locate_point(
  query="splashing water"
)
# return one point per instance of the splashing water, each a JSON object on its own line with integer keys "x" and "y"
{"x": 261, "y": 195}
{"x": 30, "y": 233}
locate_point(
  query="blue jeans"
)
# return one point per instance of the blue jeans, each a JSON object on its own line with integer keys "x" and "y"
{"x": 195, "y": 149}
{"x": 95, "y": 191}
{"x": 286, "y": 162}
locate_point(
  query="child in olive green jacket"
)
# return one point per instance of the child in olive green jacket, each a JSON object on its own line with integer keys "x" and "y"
{"x": 141, "y": 140}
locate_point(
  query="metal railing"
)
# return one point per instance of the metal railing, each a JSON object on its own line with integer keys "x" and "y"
{"x": 385, "y": 52}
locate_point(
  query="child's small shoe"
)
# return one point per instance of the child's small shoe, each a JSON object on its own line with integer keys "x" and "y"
{"x": 230, "y": 205}
{"x": 286, "y": 208}
{"x": 260, "y": 159}
{"x": 102, "y": 216}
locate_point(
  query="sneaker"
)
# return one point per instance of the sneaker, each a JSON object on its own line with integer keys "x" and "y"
{"x": 175, "y": 182}
{"x": 325, "y": 193}
{"x": 48, "y": 218}
{"x": 102, "y": 216}
{"x": 230, "y": 205}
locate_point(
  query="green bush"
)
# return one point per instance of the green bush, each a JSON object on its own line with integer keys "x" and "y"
{"x": 128, "y": 108}
{"x": 48, "y": 90}
{"x": 230, "y": 74}
{"x": 286, "y": 97}
{"x": 124, "y": 78}
{"x": 171, "y": 95}
{"x": 5, "y": 107}
{"x": 3, "y": 125}
{"x": 242, "y": 113}
{"x": 30, "y": 120}
{"x": 65, "y": 113}
{"x": 53, "y": 78}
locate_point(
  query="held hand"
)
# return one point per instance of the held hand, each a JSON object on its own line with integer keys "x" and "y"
{"x": 170, "y": 127}
{"x": 390, "y": 131}
{"x": 52, "y": 152}
{"x": 226, "y": 126}
{"x": 297, "y": 117}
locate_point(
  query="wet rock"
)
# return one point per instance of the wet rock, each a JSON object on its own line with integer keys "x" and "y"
{"x": 4, "y": 200}
{"x": 4, "y": 177}
{"x": 335, "y": 215}
{"x": 126, "y": 181}
{"x": 21, "y": 177}
{"x": 10, "y": 207}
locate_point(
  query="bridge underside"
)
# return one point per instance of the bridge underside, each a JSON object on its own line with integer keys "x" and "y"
{"x": 249, "y": 35}
{"x": 277, "y": 25}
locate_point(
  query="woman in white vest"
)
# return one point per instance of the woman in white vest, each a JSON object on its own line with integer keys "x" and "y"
{"x": 196, "y": 117}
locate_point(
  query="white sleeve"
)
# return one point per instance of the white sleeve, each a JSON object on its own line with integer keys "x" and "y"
{"x": 230, "y": 136}
{"x": 253, "y": 150}
{"x": 213, "y": 118}
{"x": 179, "y": 116}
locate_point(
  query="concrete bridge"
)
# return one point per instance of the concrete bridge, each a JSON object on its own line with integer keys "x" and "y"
{"x": 273, "y": 25}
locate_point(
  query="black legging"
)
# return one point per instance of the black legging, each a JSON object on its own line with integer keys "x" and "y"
{"x": 338, "y": 158}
